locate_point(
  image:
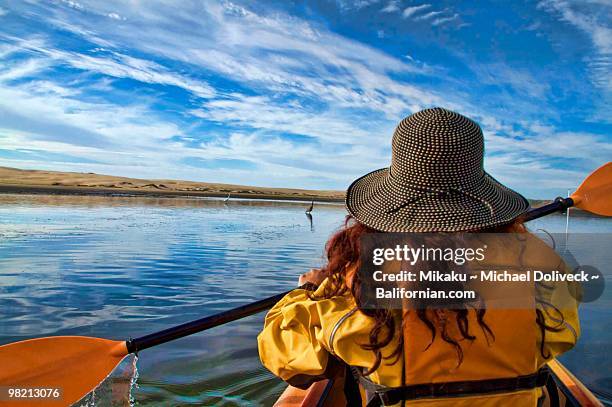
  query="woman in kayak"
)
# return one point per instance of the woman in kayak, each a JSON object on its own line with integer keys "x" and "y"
{"x": 447, "y": 356}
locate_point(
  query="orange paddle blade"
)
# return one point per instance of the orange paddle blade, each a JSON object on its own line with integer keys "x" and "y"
{"x": 595, "y": 193}
{"x": 74, "y": 365}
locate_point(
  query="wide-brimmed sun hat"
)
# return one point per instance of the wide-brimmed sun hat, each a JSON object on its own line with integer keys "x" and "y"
{"x": 436, "y": 181}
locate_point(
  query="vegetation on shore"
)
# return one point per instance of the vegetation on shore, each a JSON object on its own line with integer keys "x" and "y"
{"x": 18, "y": 181}
{"x": 13, "y": 180}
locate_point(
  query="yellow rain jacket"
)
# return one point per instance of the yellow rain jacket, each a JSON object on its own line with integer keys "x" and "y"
{"x": 302, "y": 337}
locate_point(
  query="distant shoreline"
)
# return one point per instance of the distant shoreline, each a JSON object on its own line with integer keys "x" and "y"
{"x": 111, "y": 192}
{"x": 40, "y": 182}
{"x": 18, "y": 181}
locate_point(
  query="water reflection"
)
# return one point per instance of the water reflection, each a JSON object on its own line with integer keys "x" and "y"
{"x": 309, "y": 216}
{"x": 127, "y": 266}
{"x": 91, "y": 201}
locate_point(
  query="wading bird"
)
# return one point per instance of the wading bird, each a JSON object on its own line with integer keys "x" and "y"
{"x": 309, "y": 210}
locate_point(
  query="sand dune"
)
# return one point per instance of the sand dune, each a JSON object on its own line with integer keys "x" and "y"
{"x": 13, "y": 180}
{"x": 37, "y": 181}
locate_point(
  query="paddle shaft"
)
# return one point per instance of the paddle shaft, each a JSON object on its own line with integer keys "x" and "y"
{"x": 559, "y": 204}
{"x": 170, "y": 334}
{"x": 180, "y": 331}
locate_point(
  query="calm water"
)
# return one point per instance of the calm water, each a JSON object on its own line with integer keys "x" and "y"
{"x": 123, "y": 267}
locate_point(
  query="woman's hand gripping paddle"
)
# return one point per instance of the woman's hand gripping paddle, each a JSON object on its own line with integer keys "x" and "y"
{"x": 75, "y": 365}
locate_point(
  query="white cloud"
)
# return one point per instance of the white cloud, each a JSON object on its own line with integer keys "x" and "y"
{"x": 355, "y": 4}
{"x": 595, "y": 22}
{"x": 262, "y": 113}
{"x": 73, "y": 4}
{"x": 116, "y": 65}
{"x": 115, "y": 16}
{"x": 442, "y": 20}
{"x": 252, "y": 49}
{"x": 22, "y": 69}
{"x": 391, "y": 7}
{"x": 519, "y": 79}
{"x": 76, "y": 128}
{"x": 437, "y": 17}
{"x": 545, "y": 181}
{"x": 40, "y": 116}
{"x": 409, "y": 11}
{"x": 429, "y": 15}
{"x": 280, "y": 78}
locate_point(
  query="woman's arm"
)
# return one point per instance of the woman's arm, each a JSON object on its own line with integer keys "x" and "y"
{"x": 294, "y": 341}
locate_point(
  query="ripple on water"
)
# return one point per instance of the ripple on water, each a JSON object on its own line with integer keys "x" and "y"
{"x": 125, "y": 267}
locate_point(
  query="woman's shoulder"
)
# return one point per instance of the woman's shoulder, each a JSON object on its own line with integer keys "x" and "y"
{"x": 528, "y": 249}
{"x": 318, "y": 301}
{"x": 341, "y": 301}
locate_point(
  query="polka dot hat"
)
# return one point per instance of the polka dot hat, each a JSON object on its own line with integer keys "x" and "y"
{"x": 436, "y": 181}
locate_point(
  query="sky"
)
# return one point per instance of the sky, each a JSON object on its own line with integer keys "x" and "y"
{"x": 301, "y": 94}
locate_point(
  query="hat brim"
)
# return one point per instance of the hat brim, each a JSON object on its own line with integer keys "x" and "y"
{"x": 382, "y": 203}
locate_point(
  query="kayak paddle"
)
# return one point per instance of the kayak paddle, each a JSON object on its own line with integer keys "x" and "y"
{"x": 594, "y": 195}
{"x": 75, "y": 365}
{"x": 69, "y": 367}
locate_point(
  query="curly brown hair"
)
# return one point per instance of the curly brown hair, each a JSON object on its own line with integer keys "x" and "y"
{"x": 343, "y": 253}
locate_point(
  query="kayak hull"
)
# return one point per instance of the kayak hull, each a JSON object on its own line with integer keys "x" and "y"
{"x": 564, "y": 390}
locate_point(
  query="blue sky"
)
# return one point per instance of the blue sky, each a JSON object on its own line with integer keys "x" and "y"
{"x": 301, "y": 94}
